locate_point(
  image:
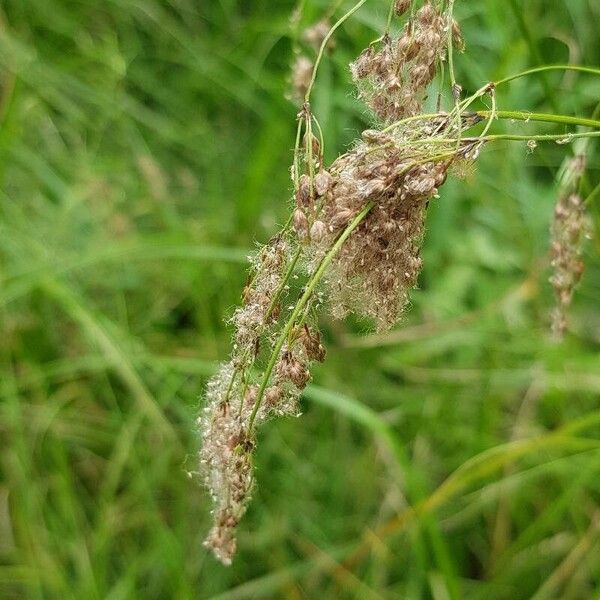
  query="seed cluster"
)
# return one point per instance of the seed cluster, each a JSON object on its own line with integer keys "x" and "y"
{"x": 568, "y": 231}
{"x": 392, "y": 80}
{"x": 226, "y": 460}
{"x": 227, "y": 442}
{"x": 380, "y": 263}
{"x": 260, "y": 307}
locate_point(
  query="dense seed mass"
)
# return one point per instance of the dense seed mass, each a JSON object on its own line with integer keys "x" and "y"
{"x": 392, "y": 80}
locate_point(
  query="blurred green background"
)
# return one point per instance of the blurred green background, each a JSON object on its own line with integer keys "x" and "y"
{"x": 144, "y": 150}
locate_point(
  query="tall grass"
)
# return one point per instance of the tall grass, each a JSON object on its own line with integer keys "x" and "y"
{"x": 142, "y": 152}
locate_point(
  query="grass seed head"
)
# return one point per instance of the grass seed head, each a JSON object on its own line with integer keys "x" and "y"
{"x": 392, "y": 80}
{"x": 568, "y": 233}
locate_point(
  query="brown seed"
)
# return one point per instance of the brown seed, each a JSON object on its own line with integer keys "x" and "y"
{"x": 318, "y": 231}
{"x": 372, "y": 136}
{"x": 235, "y": 440}
{"x": 323, "y": 182}
{"x": 275, "y": 313}
{"x": 300, "y": 223}
{"x": 315, "y": 145}
{"x": 298, "y": 374}
{"x": 293, "y": 370}
{"x": 408, "y": 47}
{"x": 340, "y": 218}
{"x": 273, "y": 395}
{"x": 312, "y": 344}
{"x": 363, "y": 65}
{"x": 303, "y": 192}
{"x": 373, "y": 188}
{"x": 401, "y": 6}
{"x": 250, "y": 395}
{"x": 247, "y": 294}
{"x": 426, "y": 14}
{"x": 457, "y": 39}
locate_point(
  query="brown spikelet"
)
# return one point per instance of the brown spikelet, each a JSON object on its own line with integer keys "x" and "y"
{"x": 401, "y": 6}
{"x": 568, "y": 231}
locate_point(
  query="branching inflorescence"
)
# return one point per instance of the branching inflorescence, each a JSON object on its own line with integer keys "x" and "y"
{"x": 355, "y": 234}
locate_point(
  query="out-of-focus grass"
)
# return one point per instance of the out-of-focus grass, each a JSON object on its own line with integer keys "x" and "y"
{"x": 144, "y": 147}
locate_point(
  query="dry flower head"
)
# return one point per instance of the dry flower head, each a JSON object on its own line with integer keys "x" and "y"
{"x": 387, "y": 178}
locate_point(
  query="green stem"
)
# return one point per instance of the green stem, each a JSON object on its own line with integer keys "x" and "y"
{"x": 455, "y": 89}
{"x": 308, "y": 292}
{"x": 493, "y": 113}
{"x": 283, "y": 283}
{"x": 580, "y": 68}
{"x": 507, "y": 136}
{"x": 296, "y": 173}
{"x": 337, "y": 24}
{"x": 390, "y": 16}
{"x": 420, "y": 117}
{"x": 538, "y": 138}
{"x": 543, "y": 117}
{"x": 450, "y": 47}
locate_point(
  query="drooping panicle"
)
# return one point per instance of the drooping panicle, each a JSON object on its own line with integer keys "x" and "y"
{"x": 568, "y": 231}
{"x": 387, "y": 179}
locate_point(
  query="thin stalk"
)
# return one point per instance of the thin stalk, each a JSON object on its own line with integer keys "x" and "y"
{"x": 580, "y": 68}
{"x": 564, "y": 137}
{"x": 286, "y": 277}
{"x": 388, "y": 25}
{"x": 308, "y": 292}
{"x": 420, "y": 117}
{"x": 308, "y": 136}
{"x": 493, "y": 112}
{"x": 321, "y": 138}
{"x": 543, "y": 117}
{"x": 337, "y": 24}
{"x": 505, "y": 114}
{"x": 230, "y": 386}
{"x": 454, "y": 87}
{"x": 296, "y": 173}
{"x": 389, "y": 18}
{"x": 450, "y": 48}
{"x": 480, "y": 92}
